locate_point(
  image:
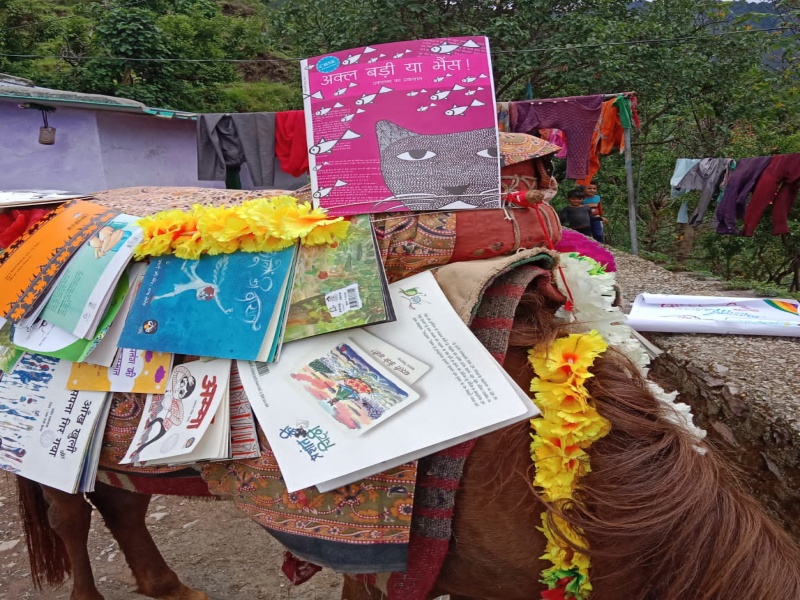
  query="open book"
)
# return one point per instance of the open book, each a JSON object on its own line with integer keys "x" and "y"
{"x": 463, "y": 392}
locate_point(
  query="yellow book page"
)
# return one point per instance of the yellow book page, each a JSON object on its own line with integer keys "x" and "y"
{"x": 136, "y": 371}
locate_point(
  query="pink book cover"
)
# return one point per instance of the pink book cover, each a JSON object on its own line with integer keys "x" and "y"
{"x": 403, "y": 126}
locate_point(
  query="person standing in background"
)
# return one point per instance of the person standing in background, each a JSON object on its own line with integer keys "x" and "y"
{"x": 576, "y": 216}
{"x": 592, "y": 202}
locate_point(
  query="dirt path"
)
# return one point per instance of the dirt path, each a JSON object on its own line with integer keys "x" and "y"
{"x": 211, "y": 545}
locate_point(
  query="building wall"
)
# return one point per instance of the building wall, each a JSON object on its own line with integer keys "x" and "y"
{"x": 142, "y": 151}
{"x": 73, "y": 163}
{"x": 101, "y": 150}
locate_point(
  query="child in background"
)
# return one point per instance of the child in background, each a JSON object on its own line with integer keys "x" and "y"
{"x": 576, "y": 216}
{"x": 592, "y": 201}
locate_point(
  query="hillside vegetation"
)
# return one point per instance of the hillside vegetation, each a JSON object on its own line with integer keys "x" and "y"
{"x": 709, "y": 82}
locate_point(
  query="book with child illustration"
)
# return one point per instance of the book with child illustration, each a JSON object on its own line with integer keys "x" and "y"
{"x": 224, "y": 306}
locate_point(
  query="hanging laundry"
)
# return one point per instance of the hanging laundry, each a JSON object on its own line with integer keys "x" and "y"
{"x": 291, "y": 146}
{"x": 608, "y": 134}
{"x": 706, "y": 177}
{"x": 576, "y": 116}
{"x": 683, "y": 213}
{"x": 502, "y": 117}
{"x": 555, "y": 136}
{"x": 741, "y": 182}
{"x": 779, "y": 184}
{"x": 682, "y": 167}
{"x": 230, "y": 140}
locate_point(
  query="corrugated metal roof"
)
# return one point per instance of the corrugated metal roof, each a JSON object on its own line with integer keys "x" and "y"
{"x": 23, "y": 91}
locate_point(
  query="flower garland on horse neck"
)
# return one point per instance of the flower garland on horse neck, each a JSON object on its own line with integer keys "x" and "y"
{"x": 568, "y": 426}
{"x": 258, "y": 225}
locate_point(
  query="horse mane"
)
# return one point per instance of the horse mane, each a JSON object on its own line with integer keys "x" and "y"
{"x": 663, "y": 521}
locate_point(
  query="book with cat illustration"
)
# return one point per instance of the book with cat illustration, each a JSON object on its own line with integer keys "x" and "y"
{"x": 463, "y": 392}
{"x": 403, "y": 126}
{"x": 339, "y": 286}
{"x": 48, "y": 433}
{"x": 224, "y": 306}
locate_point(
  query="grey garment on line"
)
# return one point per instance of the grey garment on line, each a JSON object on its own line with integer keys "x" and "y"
{"x": 706, "y": 177}
{"x": 682, "y": 167}
{"x": 232, "y": 139}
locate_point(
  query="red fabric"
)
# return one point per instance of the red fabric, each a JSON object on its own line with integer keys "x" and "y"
{"x": 298, "y": 570}
{"x": 14, "y": 223}
{"x": 779, "y": 185}
{"x": 290, "y": 142}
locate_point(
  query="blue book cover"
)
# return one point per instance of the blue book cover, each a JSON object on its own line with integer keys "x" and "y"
{"x": 225, "y": 306}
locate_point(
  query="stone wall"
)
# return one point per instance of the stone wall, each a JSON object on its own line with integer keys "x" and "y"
{"x": 744, "y": 390}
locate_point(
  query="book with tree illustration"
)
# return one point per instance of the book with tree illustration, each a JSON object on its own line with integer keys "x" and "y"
{"x": 224, "y": 306}
{"x": 339, "y": 286}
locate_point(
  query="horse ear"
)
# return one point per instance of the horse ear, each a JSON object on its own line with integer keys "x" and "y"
{"x": 388, "y": 133}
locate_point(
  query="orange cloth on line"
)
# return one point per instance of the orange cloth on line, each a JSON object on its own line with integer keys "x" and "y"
{"x": 608, "y": 134}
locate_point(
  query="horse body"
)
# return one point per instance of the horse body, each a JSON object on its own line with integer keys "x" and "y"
{"x": 662, "y": 520}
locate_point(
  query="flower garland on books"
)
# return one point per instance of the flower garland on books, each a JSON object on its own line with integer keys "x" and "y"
{"x": 258, "y": 225}
{"x": 568, "y": 426}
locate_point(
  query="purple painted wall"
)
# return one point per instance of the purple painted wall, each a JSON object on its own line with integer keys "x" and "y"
{"x": 96, "y": 150}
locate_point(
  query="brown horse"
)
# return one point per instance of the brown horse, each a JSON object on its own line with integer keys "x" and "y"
{"x": 663, "y": 521}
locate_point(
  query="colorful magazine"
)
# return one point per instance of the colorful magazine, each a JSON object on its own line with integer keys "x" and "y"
{"x": 403, "y": 126}
{"x": 224, "y": 306}
{"x": 339, "y": 286}
{"x": 46, "y": 430}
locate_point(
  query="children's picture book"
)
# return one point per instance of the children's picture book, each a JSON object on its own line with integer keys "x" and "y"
{"x": 715, "y": 314}
{"x": 45, "y": 429}
{"x": 25, "y": 198}
{"x": 83, "y": 289}
{"x": 173, "y": 423}
{"x": 339, "y": 286}
{"x": 30, "y": 264}
{"x": 104, "y": 352}
{"x": 403, "y": 126}
{"x": 224, "y": 306}
{"x": 136, "y": 371}
{"x": 464, "y": 393}
{"x": 46, "y": 338}
{"x": 356, "y": 391}
{"x": 244, "y": 436}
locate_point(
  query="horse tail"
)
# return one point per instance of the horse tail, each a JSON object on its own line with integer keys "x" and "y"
{"x": 664, "y": 515}
{"x": 46, "y": 552}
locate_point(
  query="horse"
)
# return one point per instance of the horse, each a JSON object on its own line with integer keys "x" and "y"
{"x": 662, "y": 520}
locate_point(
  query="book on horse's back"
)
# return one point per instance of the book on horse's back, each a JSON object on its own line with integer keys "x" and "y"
{"x": 224, "y": 306}
{"x": 463, "y": 393}
{"x": 47, "y": 432}
{"x": 339, "y": 286}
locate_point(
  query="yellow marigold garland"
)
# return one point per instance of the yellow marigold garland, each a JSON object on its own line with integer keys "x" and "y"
{"x": 568, "y": 426}
{"x": 258, "y": 225}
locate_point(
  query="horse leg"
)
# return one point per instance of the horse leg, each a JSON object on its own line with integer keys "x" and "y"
{"x": 70, "y": 516}
{"x": 124, "y": 513}
{"x": 354, "y": 589}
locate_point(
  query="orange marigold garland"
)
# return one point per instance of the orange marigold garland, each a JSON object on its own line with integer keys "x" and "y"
{"x": 568, "y": 426}
{"x": 258, "y": 225}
